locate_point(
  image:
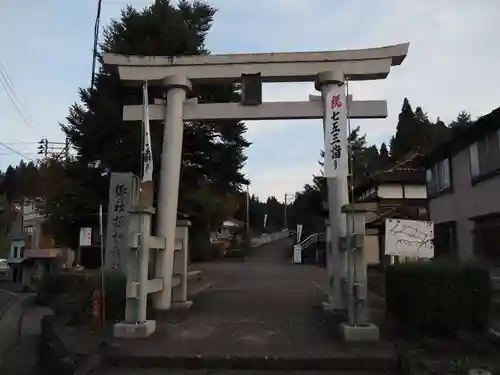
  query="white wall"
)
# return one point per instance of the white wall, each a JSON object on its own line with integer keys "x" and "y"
{"x": 390, "y": 191}
{"x": 371, "y": 249}
{"x": 415, "y": 191}
{"x": 465, "y": 201}
{"x": 395, "y": 191}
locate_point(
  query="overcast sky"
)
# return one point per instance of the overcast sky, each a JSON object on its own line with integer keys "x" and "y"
{"x": 453, "y": 64}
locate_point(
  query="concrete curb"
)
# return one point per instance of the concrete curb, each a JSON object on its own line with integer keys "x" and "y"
{"x": 494, "y": 335}
{"x": 92, "y": 362}
{"x": 6, "y": 308}
{"x": 10, "y": 323}
{"x": 337, "y": 363}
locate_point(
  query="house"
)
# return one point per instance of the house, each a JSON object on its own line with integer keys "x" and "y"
{"x": 398, "y": 192}
{"x": 463, "y": 184}
{"x": 4, "y": 270}
{"x": 33, "y": 251}
{"x": 228, "y": 228}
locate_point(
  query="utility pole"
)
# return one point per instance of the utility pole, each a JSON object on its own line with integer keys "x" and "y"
{"x": 248, "y": 210}
{"x": 96, "y": 39}
{"x": 46, "y": 147}
{"x": 287, "y": 196}
{"x": 43, "y": 147}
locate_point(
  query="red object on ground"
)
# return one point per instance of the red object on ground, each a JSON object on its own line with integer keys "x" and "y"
{"x": 96, "y": 308}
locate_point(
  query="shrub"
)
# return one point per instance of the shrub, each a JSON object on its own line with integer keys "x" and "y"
{"x": 115, "y": 287}
{"x": 53, "y": 285}
{"x": 200, "y": 248}
{"x": 438, "y": 298}
{"x": 70, "y": 294}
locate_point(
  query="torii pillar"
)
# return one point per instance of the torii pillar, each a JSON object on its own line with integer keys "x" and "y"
{"x": 176, "y": 88}
{"x": 338, "y": 196}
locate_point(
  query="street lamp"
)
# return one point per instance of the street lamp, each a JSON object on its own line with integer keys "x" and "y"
{"x": 288, "y": 198}
{"x": 248, "y": 210}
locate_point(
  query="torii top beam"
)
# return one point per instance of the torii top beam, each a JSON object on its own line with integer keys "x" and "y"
{"x": 363, "y": 64}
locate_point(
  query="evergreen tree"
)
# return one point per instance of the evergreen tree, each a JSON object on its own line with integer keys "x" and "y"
{"x": 462, "y": 121}
{"x": 213, "y": 151}
{"x": 384, "y": 157}
{"x": 415, "y": 131}
{"x": 11, "y": 185}
{"x": 403, "y": 141}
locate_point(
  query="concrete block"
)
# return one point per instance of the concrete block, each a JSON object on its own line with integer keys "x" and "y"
{"x": 195, "y": 274}
{"x": 327, "y": 307}
{"x": 368, "y": 332}
{"x": 126, "y": 330}
{"x": 186, "y": 305}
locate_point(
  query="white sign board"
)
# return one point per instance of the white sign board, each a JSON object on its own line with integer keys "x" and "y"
{"x": 85, "y": 237}
{"x": 409, "y": 238}
{"x": 297, "y": 254}
{"x": 335, "y": 128}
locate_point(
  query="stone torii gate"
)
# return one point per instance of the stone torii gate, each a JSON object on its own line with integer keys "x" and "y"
{"x": 329, "y": 70}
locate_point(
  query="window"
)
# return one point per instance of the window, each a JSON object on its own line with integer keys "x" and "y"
{"x": 485, "y": 155}
{"x": 28, "y": 229}
{"x": 439, "y": 177}
{"x": 445, "y": 239}
{"x": 487, "y": 238}
{"x": 18, "y": 252}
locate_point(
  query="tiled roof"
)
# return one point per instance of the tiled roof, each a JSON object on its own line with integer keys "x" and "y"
{"x": 406, "y": 171}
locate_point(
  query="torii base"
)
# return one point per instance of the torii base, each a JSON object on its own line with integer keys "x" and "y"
{"x": 181, "y": 306}
{"x": 366, "y": 333}
{"x": 124, "y": 330}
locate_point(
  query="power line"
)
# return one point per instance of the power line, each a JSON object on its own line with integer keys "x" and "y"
{"x": 15, "y": 151}
{"x": 14, "y": 143}
{"x": 8, "y": 87}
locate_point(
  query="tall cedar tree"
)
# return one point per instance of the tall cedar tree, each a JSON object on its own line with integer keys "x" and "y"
{"x": 462, "y": 121}
{"x": 213, "y": 152}
{"x": 415, "y": 130}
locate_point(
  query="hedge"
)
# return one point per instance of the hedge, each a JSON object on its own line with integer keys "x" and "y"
{"x": 70, "y": 294}
{"x": 438, "y": 298}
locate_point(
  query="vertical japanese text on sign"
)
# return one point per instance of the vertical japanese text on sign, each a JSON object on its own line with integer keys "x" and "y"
{"x": 335, "y": 131}
{"x": 121, "y": 191}
{"x": 118, "y": 222}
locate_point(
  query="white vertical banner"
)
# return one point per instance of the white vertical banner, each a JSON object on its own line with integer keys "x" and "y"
{"x": 265, "y": 220}
{"x": 299, "y": 232}
{"x": 335, "y": 125}
{"x": 147, "y": 173}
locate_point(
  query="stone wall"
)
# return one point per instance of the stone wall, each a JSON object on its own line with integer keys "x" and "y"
{"x": 270, "y": 237}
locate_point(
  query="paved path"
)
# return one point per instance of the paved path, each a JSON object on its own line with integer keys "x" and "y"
{"x": 21, "y": 357}
{"x": 6, "y": 298}
{"x": 262, "y": 308}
